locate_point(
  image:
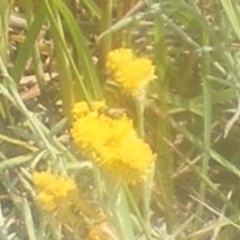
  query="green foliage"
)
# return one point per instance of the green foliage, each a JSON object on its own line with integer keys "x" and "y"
{"x": 190, "y": 117}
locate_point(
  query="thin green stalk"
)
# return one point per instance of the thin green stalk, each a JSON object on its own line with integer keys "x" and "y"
{"x": 106, "y": 23}
{"x": 65, "y": 49}
{"x": 8, "y": 88}
{"x": 93, "y": 7}
{"x": 4, "y": 23}
{"x": 146, "y": 185}
{"x": 25, "y": 51}
{"x": 164, "y": 163}
{"x": 98, "y": 182}
{"x": 83, "y": 61}
{"x": 17, "y": 142}
{"x": 63, "y": 66}
{"x": 142, "y": 221}
{"x": 215, "y": 156}
{"x": 11, "y": 92}
{"x": 231, "y": 12}
{"x": 119, "y": 207}
{"x": 53, "y": 145}
{"x": 28, "y": 4}
{"x": 207, "y": 119}
{"x": 123, "y": 37}
{"x": 140, "y": 107}
{"x": 28, "y": 220}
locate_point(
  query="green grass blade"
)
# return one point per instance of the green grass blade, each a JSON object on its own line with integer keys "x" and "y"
{"x": 13, "y": 162}
{"x": 231, "y": 12}
{"x": 207, "y": 120}
{"x": 29, "y": 224}
{"x": 215, "y": 156}
{"x": 28, "y": 46}
{"x": 93, "y": 7}
{"x": 87, "y": 67}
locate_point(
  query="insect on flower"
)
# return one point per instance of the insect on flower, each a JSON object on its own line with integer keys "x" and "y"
{"x": 114, "y": 113}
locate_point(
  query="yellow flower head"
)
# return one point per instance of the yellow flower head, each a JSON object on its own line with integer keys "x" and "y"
{"x": 82, "y": 108}
{"x": 113, "y": 144}
{"x": 52, "y": 190}
{"x": 60, "y": 197}
{"x": 131, "y": 73}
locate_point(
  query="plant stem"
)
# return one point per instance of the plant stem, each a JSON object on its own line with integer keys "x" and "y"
{"x": 146, "y": 185}
{"x": 164, "y": 163}
{"x": 4, "y": 23}
{"x": 65, "y": 75}
{"x": 119, "y": 207}
{"x": 106, "y": 23}
{"x": 206, "y": 123}
{"x": 29, "y": 8}
{"x": 142, "y": 222}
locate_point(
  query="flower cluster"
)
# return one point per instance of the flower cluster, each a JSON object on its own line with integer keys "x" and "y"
{"x": 61, "y": 198}
{"x": 131, "y": 73}
{"x": 111, "y": 142}
{"x": 53, "y": 190}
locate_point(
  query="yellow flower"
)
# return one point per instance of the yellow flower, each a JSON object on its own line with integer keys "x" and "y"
{"x": 130, "y": 160}
{"x": 113, "y": 144}
{"x": 62, "y": 199}
{"x": 82, "y": 108}
{"x": 131, "y": 73}
{"x": 52, "y": 190}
